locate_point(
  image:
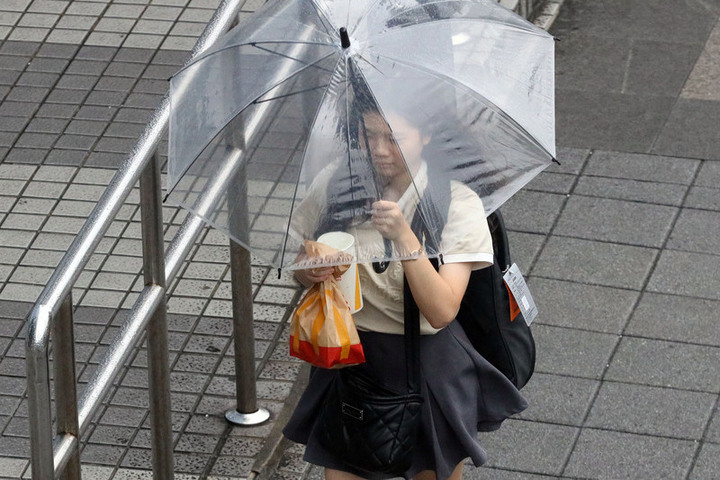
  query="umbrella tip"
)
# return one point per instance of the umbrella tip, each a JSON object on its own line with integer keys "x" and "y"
{"x": 344, "y": 38}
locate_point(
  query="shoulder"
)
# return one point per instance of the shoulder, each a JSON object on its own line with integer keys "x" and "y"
{"x": 463, "y": 200}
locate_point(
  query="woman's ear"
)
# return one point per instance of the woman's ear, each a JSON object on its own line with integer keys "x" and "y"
{"x": 426, "y": 139}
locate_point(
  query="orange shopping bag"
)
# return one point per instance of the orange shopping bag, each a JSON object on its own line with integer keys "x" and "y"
{"x": 322, "y": 331}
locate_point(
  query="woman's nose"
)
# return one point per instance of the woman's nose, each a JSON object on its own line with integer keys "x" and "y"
{"x": 381, "y": 146}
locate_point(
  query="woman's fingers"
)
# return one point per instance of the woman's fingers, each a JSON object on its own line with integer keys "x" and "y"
{"x": 387, "y": 218}
{"x": 315, "y": 275}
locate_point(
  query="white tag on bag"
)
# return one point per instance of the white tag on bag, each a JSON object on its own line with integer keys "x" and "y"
{"x": 519, "y": 289}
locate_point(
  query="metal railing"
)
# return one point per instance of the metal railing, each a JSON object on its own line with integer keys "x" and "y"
{"x": 55, "y": 454}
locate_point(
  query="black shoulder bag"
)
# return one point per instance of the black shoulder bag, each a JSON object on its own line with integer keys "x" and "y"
{"x": 368, "y": 426}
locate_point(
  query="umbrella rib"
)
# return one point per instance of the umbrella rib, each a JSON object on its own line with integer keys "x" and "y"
{"x": 528, "y": 28}
{"x": 360, "y": 17}
{"x": 287, "y": 95}
{"x": 251, "y": 44}
{"x": 292, "y": 58}
{"x": 472, "y": 92}
{"x": 377, "y": 104}
{"x": 240, "y": 110}
{"x": 297, "y": 184}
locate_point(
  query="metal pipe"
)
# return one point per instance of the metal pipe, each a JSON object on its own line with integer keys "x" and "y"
{"x": 65, "y": 385}
{"x": 64, "y": 448}
{"x": 157, "y": 332}
{"x": 246, "y": 411}
{"x": 118, "y": 352}
{"x": 38, "y": 385}
{"x": 60, "y": 284}
{"x": 193, "y": 224}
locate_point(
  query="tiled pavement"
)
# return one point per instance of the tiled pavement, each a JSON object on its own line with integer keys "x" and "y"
{"x": 620, "y": 243}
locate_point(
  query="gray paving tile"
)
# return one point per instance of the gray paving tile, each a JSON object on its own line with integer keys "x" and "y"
{"x": 585, "y": 261}
{"x": 615, "y": 124}
{"x": 79, "y": 82}
{"x": 47, "y": 64}
{"x": 696, "y": 231}
{"x": 564, "y": 351}
{"x": 644, "y": 167}
{"x": 647, "y": 72}
{"x": 631, "y": 20}
{"x": 232, "y": 465}
{"x": 531, "y": 447}
{"x": 14, "y": 310}
{"x": 125, "y": 69}
{"x": 684, "y": 273}
{"x": 688, "y": 131}
{"x": 633, "y": 190}
{"x": 713, "y": 433}
{"x": 602, "y": 309}
{"x": 589, "y": 60}
{"x": 47, "y": 125}
{"x": 552, "y": 183}
{"x": 558, "y": 399}
{"x": 613, "y": 455}
{"x": 707, "y": 465}
{"x": 709, "y": 174}
{"x": 66, "y": 157}
{"x": 9, "y": 77}
{"x": 18, "y": 109}
{"x": 117, "y": 84}
{"x": 704, "y": 198}
{"x": 12, "y": 467}
{"x": 665, "y": 364}
{"x": 111, "y": 435}
{"x": 616, "y": 221}
{"x": 651, "y": 411}
{"x": 56, "y": 110}
{"x": 532, "y": 211}
{"x": 36, "y": 140}
{"x": 27, "y": 94}
{"x": 656, "y": 316}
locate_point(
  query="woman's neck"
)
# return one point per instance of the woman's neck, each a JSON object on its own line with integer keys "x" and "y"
{"x": 396, "y": 187}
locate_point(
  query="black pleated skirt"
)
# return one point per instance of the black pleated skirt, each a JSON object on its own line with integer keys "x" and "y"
{"x": 464, "y": 394}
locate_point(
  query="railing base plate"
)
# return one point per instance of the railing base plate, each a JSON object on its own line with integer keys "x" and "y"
{"x": 247, "y": 419}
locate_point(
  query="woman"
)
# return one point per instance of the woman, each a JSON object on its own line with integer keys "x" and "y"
{"x": 463, "y": 392}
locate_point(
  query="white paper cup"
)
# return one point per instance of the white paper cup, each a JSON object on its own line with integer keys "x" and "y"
{"x": 349, "y": 283}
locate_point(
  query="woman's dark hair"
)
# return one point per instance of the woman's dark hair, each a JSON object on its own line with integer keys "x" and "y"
{"x": 352, "y": 190}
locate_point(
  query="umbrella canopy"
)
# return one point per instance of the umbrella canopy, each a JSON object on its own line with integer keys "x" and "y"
{"x": 273, "y": 132}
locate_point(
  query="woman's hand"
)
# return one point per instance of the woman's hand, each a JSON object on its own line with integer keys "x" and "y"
{"x": 311, "y": 276}
{"x": 437, "y": 294}
{"x": 387, "y": 218}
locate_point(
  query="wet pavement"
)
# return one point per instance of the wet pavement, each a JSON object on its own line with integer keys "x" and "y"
{"x": 620, "y": 244}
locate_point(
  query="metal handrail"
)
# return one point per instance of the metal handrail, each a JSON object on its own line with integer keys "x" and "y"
{"x": 52, "y": 454}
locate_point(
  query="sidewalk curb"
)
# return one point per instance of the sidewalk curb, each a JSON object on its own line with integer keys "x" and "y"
{"x": 268, "y": 459}
{"x": 548, "y": 14}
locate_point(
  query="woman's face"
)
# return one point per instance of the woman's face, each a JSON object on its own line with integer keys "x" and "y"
{"x": 386, "y": 154}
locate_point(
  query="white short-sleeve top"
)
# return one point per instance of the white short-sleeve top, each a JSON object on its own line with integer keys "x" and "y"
{"x": 465, "y": 238}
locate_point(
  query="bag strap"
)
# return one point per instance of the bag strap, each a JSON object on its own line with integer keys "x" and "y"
{"x": 412, "y": 338}
{"x": 501, "y": 245}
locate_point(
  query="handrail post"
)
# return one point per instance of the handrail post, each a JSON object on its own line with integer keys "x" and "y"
{"x": 65, "y": 384}
{"x": 38, "y": 381}
{"x": 246, "y": 412}
{"x": 157, "y": 332}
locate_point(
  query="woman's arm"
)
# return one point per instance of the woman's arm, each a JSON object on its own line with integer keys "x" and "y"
{"x": 438, "y": 294}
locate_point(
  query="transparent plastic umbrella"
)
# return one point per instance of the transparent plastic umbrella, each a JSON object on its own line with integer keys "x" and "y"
{"x": 269, "y": 139}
